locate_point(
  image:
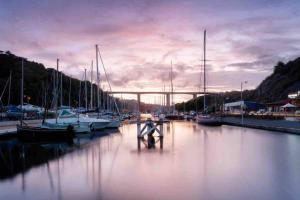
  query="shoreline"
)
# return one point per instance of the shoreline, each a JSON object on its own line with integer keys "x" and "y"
{"x": 284, "y": 126}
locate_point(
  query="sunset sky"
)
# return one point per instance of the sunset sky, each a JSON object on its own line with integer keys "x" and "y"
{"x": 139, "y": 38}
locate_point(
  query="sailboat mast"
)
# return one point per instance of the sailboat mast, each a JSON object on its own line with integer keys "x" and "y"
{"x": 98, "y": 80}
{"x": 85, "y": 90}
{"x": 172, "y": 90}
{"x": 61, "y": 90}
{"x": 79, "y": 101}
{"x": 91, "y": 103}
{"x": 204, "y": 71}
{"x": 113, "y": 100}
{"x": 70, "y": 88}
{"x": 79, "y": 95}
{"x": 56, "y": 92}
{"x": 9, "y": 87}
{"x": 22, "y": 92}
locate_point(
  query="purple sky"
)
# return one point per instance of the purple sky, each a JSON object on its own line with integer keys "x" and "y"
{"x": 138, "y": 39}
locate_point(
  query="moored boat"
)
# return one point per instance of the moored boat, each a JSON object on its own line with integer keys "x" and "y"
{"x": 36, "y": 133}
{"x": 81, "y": 123}
{"x": 205, "y": 118}
{"x": 209, "y": 120}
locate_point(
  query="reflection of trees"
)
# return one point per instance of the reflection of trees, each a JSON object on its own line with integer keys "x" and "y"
{"x": 16, "y": 157}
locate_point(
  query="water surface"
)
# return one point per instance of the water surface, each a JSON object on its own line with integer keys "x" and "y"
{"x": 196, "y": 162}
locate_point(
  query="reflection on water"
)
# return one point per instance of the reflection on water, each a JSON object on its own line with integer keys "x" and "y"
{"x": 196, "y": 162}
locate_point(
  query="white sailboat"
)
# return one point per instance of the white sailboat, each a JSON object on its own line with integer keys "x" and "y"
{"x": 60, "y": 123}
{"x": 173, "y": 115}
{"x": 204, "y": 118}
{"x": 85, "y": 123}
{"x": 115, "y": 122}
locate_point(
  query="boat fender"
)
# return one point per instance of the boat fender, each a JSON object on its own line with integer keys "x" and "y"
{"x": 70, "y": 129}
{"x": 91, "y": 127}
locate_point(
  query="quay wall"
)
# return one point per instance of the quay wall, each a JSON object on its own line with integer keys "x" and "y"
{"x": 265, "y": 124}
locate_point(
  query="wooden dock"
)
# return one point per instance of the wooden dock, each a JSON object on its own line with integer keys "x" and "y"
{"x": 8, "y": 128}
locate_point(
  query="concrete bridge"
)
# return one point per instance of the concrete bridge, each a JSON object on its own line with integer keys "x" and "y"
{"x": 168, "y": 94}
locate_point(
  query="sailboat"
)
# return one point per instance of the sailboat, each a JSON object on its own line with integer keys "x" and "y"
{"x": 115, "y": 122}
{"x": 25, "y": 132}
{"x": 205, "y": 118}
{"x": 173, "y": 115}
{"x": 81, "y": 123}
{"x": 61, "y": 122}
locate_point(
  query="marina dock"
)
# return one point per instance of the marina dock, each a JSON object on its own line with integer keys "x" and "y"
{"x": 264, "y": 124}
{"x": 8, "y": 128}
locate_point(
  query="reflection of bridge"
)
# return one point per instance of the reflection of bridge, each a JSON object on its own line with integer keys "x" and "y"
{"x": 194, "y": 94}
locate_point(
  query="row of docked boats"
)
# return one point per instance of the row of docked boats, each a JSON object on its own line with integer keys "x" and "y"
{"x": 203, "y": 119}
{"x": 67, "y": 125}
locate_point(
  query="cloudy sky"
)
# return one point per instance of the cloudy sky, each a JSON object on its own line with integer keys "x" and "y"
{"x": 138, "y": 39}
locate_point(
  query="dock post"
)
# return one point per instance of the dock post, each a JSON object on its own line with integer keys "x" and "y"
{"x": 139, "y": 143}
{"x": 161, "y": 127}
{"x": 168, "y": 102}
{"x": 161, "y": 141}
{"x": 139, "y": 115}
{"x": 194, "y": 96}
{"x": 161, "y": 133}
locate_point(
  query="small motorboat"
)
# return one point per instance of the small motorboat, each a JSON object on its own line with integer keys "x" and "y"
{"x": 209, "y": 120}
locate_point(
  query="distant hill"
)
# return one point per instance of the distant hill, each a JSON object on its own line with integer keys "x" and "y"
{"x": 38, "y": 82}
{"x": 285, "y": 79}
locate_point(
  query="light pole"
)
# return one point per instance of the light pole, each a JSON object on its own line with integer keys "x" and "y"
{"x": 242, "y": 104}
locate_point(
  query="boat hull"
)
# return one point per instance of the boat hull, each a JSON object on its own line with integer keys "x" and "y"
{"x": 175, "y": 117}
{"x": 209, "y": 121}
{"x": 114, "y": 124}
{"x": 81, "y": 127}
{"x": 29, "y": 133}
{"x": 98, "y": 125}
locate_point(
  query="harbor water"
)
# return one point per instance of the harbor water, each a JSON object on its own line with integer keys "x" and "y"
{"x": 196, "y": 162}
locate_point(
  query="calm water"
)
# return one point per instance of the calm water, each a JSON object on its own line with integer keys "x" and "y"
{"x": 195, "y": 163}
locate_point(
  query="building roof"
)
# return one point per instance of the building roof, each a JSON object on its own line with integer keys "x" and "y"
{"x": 247, "y": 104}
{"x": 288, "y": 105}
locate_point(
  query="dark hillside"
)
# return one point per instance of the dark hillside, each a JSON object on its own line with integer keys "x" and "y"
{"x": 38, "y": 82}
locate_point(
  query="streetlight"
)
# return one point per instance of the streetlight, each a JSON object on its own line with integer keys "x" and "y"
{"x": 242, "y": 104}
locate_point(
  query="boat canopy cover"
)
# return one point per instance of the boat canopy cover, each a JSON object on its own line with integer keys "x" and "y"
{"x": 288, "y": 105}
{"x": 66, "y": 113}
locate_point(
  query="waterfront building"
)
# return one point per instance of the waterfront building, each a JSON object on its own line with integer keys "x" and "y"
{"x": 248, "y": 106}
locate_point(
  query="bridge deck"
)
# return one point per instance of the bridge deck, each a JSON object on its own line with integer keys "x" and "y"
{"x": 157, "y": 92}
